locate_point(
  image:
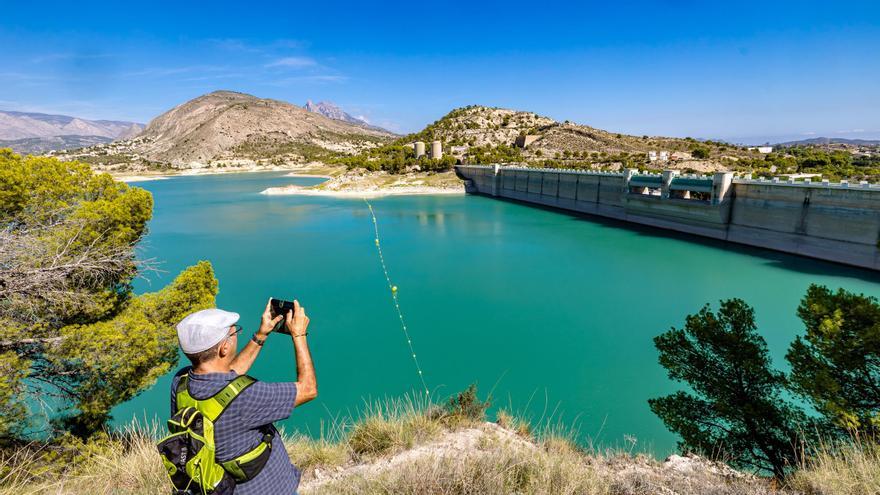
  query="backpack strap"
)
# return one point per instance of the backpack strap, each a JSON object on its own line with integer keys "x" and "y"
{"x": 184, "y": 399}
{"x": 213, "y": 406}
{"x": 248, "y": 465}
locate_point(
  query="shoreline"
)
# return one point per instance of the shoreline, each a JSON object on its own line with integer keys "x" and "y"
{"x": 144, "y": 177}
{"x": 337, "y": 185}
{"x": 313, "y": 176}
{"x": 294, "y": 190}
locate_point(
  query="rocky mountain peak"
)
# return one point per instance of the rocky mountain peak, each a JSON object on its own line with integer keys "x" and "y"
{"x": 332, "y": 111}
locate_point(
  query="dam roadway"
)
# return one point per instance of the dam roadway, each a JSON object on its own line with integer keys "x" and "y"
{"x": 833, "y": 221}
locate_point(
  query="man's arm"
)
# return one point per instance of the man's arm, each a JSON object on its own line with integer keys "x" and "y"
{"x": 306, "y": 384}
{"x": 245, "y": 359}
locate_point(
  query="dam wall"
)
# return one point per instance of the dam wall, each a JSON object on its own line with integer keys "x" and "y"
{"x": 837, "y": 222}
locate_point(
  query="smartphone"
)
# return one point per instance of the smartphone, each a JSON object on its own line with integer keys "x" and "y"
{"x": 280, "y": 307}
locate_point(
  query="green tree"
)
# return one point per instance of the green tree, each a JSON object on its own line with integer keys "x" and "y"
{"x": 736, "y": 408}
{"x": 700, "y": 152}
{"x": 836, "y": 365}
{"x": 70, "y": 327}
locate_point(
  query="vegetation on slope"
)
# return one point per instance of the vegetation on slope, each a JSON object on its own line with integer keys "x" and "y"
{"x": 832, "y": 164}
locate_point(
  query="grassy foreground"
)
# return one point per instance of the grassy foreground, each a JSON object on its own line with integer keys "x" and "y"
{"x": 401, "y": 446}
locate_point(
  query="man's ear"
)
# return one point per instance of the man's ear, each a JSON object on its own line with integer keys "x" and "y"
{"x": 225, "y": 349}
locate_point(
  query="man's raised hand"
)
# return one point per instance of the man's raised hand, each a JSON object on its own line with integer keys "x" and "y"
{"x": 267, "y": 323}
{"x": 296, "y": 321}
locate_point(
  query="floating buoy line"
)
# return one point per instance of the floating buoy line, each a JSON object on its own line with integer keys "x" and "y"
{"x": 393, "y": 290}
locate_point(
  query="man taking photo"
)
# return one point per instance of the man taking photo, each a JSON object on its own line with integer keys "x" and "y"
{"x": 209, "y": 338}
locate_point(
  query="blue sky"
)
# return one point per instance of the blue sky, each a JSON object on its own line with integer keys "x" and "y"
{"x": 746, "y": 72}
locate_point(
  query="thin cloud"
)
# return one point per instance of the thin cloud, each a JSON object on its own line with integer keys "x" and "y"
{"x": 313, "y": 79}
{"x": 51, "y": 57}
{"x": 234, "y": 45}
{"x": 293, "y": 62}
{"x": 25, "y": 77}
{"x": 211, "y": 77}
{"x": 171, "y": 71}
{"x": 240, "y": 45}
{"x": 389, "y": 125}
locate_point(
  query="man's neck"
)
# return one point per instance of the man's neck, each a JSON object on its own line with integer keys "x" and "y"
{"x": 215, "y": 366}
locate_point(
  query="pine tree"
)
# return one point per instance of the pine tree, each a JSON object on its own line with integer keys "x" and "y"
{"x": 736, "y": 409}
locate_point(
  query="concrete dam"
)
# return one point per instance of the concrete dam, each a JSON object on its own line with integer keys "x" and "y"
{"x": 833, "y": 221}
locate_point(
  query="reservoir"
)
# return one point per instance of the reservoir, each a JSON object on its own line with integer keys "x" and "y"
{"x": 552, "y": 312}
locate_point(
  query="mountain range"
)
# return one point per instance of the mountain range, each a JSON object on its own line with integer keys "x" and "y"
{"x": 227, "y": 126}
{"x": 30, "y": 132}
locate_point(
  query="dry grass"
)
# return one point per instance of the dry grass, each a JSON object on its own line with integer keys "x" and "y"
{"x": 841, "y": 468}
{"x": 391, "y": 425}
{"x": 513, "y": 423}
{"x": 308, "y": 453}
{"x": 412, "y": 447}
{"x": 127, "y": 464}
{"x": 479, "y": 472}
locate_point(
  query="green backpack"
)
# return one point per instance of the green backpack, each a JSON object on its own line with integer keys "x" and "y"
{"x": 188, "y": 453}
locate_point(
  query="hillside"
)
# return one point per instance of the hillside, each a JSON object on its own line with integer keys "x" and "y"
{"x": 224, "y": 127}
{"x": 485, "y": 135}
{"x": 565, "y": 142}
{"x": 479, "y": 134}
{"x": 29, "y": 132}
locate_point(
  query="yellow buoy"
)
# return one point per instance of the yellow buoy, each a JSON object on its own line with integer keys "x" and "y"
{"x": 393, "y": 288}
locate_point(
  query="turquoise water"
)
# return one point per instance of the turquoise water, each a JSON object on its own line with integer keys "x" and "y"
{"x": 554, "y": 313}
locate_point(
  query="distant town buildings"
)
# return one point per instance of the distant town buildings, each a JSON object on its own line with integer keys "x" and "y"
{"x": 761, "y": 149}
{"x": 662, "y": 156}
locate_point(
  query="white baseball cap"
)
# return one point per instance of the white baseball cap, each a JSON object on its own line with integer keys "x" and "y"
{"x": 204, "y": 329}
